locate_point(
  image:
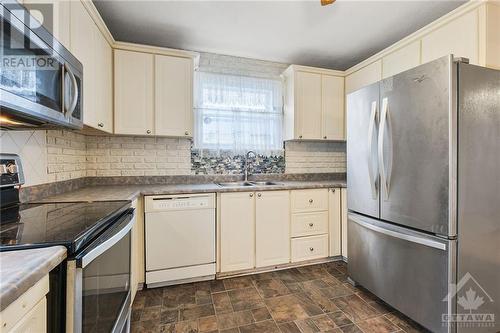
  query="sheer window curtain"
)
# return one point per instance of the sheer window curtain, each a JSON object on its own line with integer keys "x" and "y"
{"x": 238, "y": 113}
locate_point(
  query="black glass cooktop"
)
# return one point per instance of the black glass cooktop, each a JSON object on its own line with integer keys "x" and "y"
{"x": 70, "y": 224}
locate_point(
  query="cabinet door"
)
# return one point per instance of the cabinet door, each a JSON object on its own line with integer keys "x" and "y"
{"x": 401, "y": 60}
{"x": 335, "y": 221}
{"x": 34, "y": 321}
{"x": 364, "y": 77}
{"x": 272, "y": 228}
{"x": 83, "y": 47}
{"x": 133, "y": 80}
{"x": 308, "y": 103}
{"x": 343, "y": 207}
{"x": 103, "y": 113}
{"x": 332, "y": 97}
{"x": 237, "y": 231}
{"x": 173, "y": 96}
{"x": 459, "y": 37}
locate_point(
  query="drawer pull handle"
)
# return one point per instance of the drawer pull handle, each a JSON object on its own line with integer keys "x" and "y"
{"x": 311, "y": 249}
{"x": 311, "y": 224}
{"x": 311, "y": 201}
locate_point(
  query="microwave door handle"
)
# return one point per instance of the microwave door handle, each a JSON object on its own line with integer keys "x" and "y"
{"x": 74, "y": 89}
{"x": 106, "y": 240}
{"x": 372, "y": 171}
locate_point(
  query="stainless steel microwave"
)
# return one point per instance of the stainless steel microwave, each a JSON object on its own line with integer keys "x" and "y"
{"x": 41, "y": 82}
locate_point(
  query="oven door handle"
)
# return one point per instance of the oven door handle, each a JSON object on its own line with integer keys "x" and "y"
{"x": 106, "y": 240}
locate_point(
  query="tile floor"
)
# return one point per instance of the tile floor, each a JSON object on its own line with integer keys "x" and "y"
{"x": 299, "y": 300}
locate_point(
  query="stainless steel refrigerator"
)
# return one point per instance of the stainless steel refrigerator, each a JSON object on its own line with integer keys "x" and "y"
{"x": 423, "y": 177}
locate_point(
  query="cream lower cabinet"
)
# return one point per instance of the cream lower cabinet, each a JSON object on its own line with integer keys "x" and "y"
{"x": 137, "y": 265}
{"x": 343, "y": 207}
{"x": 310, "y": 215}
{"x": 272, "y": 223}
{"x": 29, "y": 312}
{"x": 237, "y": 231}
{"x": 335, "y": 221}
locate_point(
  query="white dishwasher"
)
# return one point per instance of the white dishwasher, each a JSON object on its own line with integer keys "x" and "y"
{"x": 179, "y": 238}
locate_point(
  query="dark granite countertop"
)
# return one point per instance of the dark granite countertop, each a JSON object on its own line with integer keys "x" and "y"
{"x": 131, "y": 192}
{"x": 21, "y": 270}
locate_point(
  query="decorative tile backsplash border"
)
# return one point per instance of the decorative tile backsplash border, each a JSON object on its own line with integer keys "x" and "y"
{"x": 206, "y": 162}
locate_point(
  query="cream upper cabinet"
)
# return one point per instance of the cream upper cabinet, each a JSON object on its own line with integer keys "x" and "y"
{"x": 272, "y": 216}
{"x": 102, "y": 117}
{"x": 173, "y": 96}
{"x": 332, "y": 92}
{"x": 459, "y": 37}
{"x": 403, "y": 59}
{"x": 335, "y": 221}
{"x": 133, "y": 78}
{"x": 237, "y": 231}
{"x": 83, "y": 46}
{"x": 94, "y": 52}
{"x": 363, "y": 77}
{"x": 314, "y": 104}
{"x": 308, "y": 103}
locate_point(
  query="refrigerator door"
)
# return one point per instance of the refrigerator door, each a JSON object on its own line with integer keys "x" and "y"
{"x": 362, "y": 164}
{"x": 479, "y": 194}
{"x": 417, "y": 140}
{"x": 409, "y": 270}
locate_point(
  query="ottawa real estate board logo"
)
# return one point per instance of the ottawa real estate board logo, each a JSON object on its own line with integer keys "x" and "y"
{"x": 474, "y": 305}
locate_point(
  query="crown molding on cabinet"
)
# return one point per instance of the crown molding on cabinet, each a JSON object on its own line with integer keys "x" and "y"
{"x": 96, "y": 17}
{"x": 316, "y": 70}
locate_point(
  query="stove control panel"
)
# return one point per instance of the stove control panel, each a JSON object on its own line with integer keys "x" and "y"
{"x": 11, "y": 171}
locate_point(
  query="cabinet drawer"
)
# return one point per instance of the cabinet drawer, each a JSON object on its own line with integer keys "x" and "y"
{"x": 307, "y": 248}
{"x": 309, "y": 200}
{"x": 308, "y": 224}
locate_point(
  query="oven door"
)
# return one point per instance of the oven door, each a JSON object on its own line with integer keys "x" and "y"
{"x": 98, "y": 285}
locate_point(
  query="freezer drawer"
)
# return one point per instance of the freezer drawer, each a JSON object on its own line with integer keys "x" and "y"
{"x": 408, "y": 270}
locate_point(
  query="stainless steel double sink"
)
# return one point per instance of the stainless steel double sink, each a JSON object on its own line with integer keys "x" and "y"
{"x": 250, "y": 184}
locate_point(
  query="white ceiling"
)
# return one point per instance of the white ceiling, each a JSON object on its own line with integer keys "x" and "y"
{"x": 299, "y": 32}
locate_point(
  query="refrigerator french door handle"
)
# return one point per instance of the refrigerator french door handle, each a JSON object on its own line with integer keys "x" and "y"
{"x": 372, "y": 171}
{"x": 406, "y": 237}
{"x": 385, "y": 171}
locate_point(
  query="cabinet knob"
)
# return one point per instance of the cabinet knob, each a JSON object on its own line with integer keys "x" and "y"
{"x": 259, "y": 195}
{"x": 333, "y": 190}
{"x": 311, "y": 225}
{"x": 324, "y": 137}
{"x": 311, "y": 249}
{"x": 300, "y": 136}
{"x": 186, "y": 133}
{"x": 148, "y": 131}
{"x": 251, "y": 195}
{"x": 311, "y": 201}
{"x": 100, "y": 125}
